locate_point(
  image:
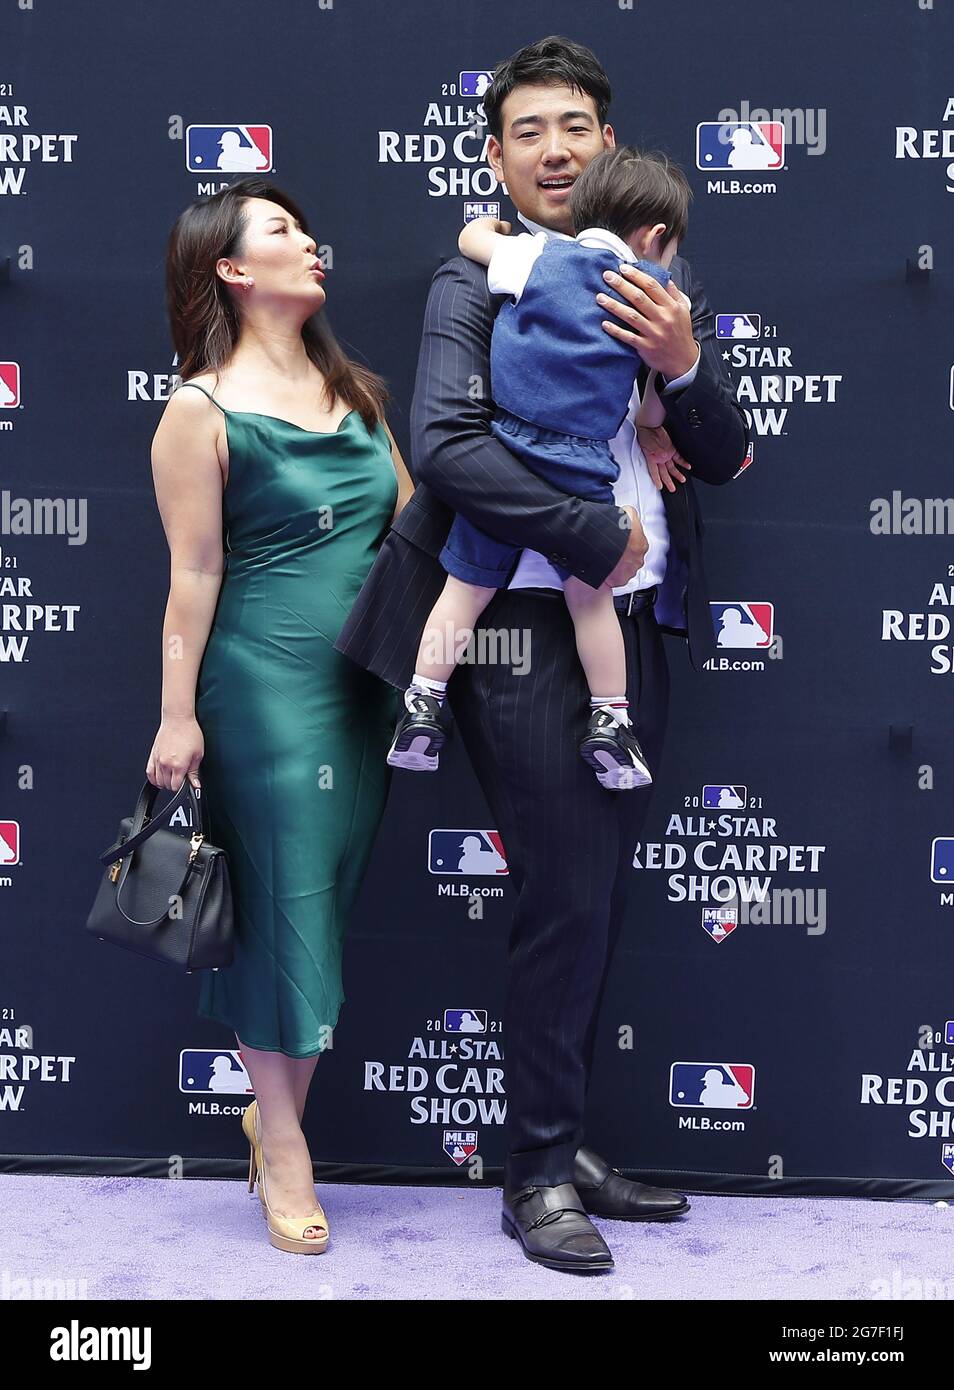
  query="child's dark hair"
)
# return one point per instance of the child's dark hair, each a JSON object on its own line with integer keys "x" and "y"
{"x": 624, "y": 188}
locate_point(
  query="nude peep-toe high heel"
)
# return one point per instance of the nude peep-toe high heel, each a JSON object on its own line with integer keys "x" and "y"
{"x": 284, "y": 1232}
{"x": 255, "y": 1161}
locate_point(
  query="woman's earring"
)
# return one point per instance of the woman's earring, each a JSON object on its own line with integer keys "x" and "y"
{"x": 249, "y": 282}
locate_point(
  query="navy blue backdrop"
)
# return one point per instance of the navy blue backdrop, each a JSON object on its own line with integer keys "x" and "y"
{"x": 809, "y": 1052}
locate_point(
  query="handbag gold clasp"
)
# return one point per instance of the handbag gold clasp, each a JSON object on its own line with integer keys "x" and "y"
{"x": 115, "y": 870}
{"x": 195, "y": 841}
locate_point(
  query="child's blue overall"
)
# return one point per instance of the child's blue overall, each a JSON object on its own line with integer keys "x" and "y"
{"x": 562, "y": 387}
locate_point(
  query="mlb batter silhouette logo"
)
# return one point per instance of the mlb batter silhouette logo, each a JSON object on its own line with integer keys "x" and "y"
{"x": 738, "y": 326}
{"x": 465, "y": 1020}
{"x": 942, "y": 859}
{"x": 712, "y": 1085}
{"x": 474, "y": 84}
{"x": 9, "y": 385}
{"x": 724, "y": 797}
{"x": 743, "y": 624}
{"x": 213, "y": 1071}
{"x": 228, "y": 149}
{"x": 466, "y": 852}
{"x": 9, "y": 842}
{"x": 740, "y": 145}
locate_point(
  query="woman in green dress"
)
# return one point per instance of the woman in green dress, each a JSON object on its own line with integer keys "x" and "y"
{"x": 276, "y": 482}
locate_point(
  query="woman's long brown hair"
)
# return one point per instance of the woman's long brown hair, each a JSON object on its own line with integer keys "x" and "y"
{"x": 202, "y": 315}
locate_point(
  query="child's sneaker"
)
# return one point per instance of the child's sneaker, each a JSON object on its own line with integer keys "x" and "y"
{"x": 613, "y": 752}
{"x": 419, "y": 735}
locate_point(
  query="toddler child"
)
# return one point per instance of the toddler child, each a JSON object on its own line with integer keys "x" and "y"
{"x": 562, "y": 386}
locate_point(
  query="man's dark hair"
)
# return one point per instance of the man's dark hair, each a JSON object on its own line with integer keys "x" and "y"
{"x": 550, "y": 62}
{"x": 623, "y": 188}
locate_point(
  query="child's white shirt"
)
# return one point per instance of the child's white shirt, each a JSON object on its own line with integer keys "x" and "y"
{"x": 515, "y": 256}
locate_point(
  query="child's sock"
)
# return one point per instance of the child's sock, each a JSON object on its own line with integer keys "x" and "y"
{"x": 424, "y": 685}
{"x": 618, "y": 705}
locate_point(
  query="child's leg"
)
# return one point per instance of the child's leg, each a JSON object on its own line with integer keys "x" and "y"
{"x": 610, "y": 745}
{"x": 599, "y": 639}
{"x": 455, "y": 613}
{"x": 420, "y": 733}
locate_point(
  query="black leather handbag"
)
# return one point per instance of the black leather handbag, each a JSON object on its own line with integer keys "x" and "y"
{"x": 163, "y": 895}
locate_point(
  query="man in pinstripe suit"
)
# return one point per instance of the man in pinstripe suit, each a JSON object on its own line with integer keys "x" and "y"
{"x": 546, "y": 112}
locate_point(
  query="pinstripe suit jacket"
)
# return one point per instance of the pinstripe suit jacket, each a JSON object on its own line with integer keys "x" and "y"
{"x": 459, "y": 466}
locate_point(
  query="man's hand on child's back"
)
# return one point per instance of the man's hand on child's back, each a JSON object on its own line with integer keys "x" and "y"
{"x": 662, "y": 457}
{"x": 658, "y": 321}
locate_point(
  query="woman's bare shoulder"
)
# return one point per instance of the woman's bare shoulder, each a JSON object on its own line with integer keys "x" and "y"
{"x": 187, "y": 408}
{"x": 191, "y": 422}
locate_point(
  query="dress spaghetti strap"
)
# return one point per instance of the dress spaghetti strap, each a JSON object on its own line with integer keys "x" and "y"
{"x": 205, "y": 393}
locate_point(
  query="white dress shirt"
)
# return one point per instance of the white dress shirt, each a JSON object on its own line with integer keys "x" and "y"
{"x": 634, "y": 487}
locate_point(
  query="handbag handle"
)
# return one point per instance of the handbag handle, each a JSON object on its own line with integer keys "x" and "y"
{"x": 139, "y": 834}
{"x": 147, "y": 798}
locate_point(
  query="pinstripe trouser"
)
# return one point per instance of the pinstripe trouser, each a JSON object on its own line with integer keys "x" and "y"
{"x": 569, "y": 845}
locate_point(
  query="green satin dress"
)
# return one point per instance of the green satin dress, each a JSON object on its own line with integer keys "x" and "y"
{"x": 294, "y": 772}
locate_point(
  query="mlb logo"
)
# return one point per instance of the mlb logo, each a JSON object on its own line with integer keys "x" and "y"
{"x": 716, "y": 796}
{"x": 228, "y": 149}
{"x": 719, "y": 922}
{"x": 9, "y": 842}
{"x": 942, "y": 860}
{"x": 474, "y": 84}
{"x": 947, "y": 1157}
{"x": 210, "y": 1071}
{"x": 743, "y": 624}
{"x": 740, "y": 145}
{"x": 474, "y": 210}
{"x": 749, "y": 456}
{"x": 465, "y": 1020}
{"x": 466, "y": 852}
{"x": 9, "y": 385}
{"x": 459, "y": 1144}
{"x": 949, "y": 1033}
{"x": 738, "y": 325}
{"x": 712, "y": 1085}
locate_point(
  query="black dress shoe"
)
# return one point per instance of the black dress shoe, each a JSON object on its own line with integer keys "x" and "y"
{"x": 605, "y": 1192}
{"x": 554, "y": 1230}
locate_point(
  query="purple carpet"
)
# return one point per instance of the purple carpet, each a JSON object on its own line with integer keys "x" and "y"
{"x": 143, "y": 1238}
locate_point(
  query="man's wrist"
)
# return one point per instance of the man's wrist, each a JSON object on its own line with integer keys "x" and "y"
{"x": 664, "y": 379}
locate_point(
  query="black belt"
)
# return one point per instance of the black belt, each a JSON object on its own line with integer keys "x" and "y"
{"x": 635, "y": 601}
